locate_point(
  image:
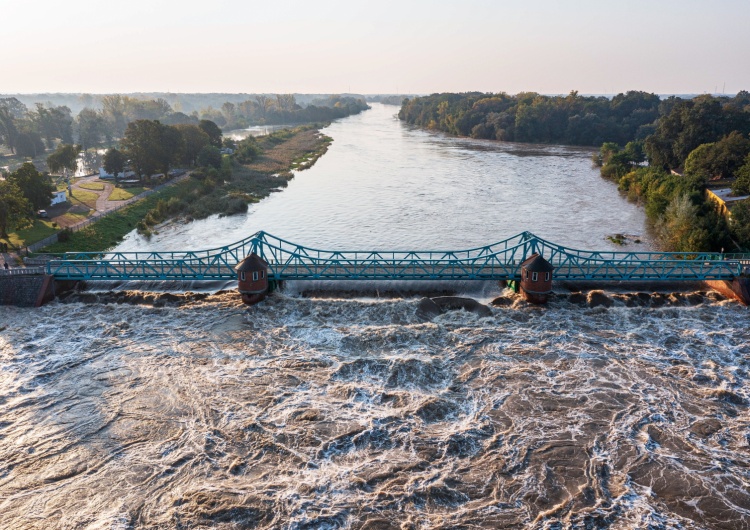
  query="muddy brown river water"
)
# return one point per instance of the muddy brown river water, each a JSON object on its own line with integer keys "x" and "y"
{"x": 126, "y": 411}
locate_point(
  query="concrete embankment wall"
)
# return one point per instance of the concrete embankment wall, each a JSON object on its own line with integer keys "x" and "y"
{"x": 27, "y": 290}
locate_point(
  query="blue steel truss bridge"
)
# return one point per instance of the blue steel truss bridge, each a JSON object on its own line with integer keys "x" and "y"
{"x": 498, "y": 261}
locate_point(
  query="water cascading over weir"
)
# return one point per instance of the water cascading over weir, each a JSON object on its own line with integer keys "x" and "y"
{"x": 273, "y": 260}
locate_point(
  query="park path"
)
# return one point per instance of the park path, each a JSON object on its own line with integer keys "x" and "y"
{"x": 104, "y": 207}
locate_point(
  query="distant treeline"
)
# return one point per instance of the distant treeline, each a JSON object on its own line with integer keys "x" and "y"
{"x": 180, "y": 102}
{"x": 389, "y": 99}
{"x": 534, "y": 118}
{"x": 29, "y": 132}
{"x": 283, "y": 109}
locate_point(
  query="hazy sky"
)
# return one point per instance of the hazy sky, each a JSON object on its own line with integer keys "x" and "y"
{"x": 593, "y": 46}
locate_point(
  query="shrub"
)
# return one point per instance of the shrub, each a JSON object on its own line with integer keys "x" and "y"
{"x": 64, "y": 235}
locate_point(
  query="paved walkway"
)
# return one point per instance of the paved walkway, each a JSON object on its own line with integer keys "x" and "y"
{"x": 103, "y": 208}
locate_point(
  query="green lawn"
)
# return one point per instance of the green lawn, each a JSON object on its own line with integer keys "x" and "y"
{"x": 62, "y": 185}
{"x": 86, "y": 197}
{"x": 71, "y": 218}
{"x": 123, "y": 194}
{"x": 109, "y": 230}
{"x": 94, "y": 186}
{"x": 42, "y": 228}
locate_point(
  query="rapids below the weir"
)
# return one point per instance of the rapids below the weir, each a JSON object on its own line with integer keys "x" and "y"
{"x": 306, "y": 413}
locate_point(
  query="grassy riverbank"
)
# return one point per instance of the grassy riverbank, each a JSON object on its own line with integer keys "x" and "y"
{"x": 226, "y": 192}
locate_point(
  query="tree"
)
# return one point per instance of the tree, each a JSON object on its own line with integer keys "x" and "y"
{"x": 29, "y": 144}
{"x": 247, "y": 150}
{"x": 15, "y": 210}
{"x": 193, "y": 140}
{"x": 36, "y": 187}
{"x": 92, "y": 127}
{"x": 210, "y": 156}
{"x": 64, "y": 157}
{"x": 8, "y": 129}
{"x": 52, "y": 123}
{"x": 741, "y": 186}
{"x": 113, "y": 110}
{"x": 213, "y": 132}
{"x": 679, "y": 229}
{"x": 720, "y": 159}
{"x": 114, "y": 161}
{"x": 149, "y": 146}
{"x": 264, "y": 105}
{"x": 739, "y": 223}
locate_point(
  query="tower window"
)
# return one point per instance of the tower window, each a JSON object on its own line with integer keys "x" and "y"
{"x": 534, "y": 276}
{"x": 255, "y": 276}
{"x": 242, "y": 276}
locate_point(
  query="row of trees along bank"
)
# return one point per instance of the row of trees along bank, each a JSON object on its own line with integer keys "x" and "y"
{"x": 663, "y": 153}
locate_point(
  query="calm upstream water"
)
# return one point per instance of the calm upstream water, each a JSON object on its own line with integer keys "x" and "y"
{"x": 602, "y": 410}
{"x": 384, "y": 185}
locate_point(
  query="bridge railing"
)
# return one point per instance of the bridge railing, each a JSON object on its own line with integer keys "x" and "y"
{"x": 497, "y": 261}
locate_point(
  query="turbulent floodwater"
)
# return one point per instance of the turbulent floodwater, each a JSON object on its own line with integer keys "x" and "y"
{"x": 159, "y": 411}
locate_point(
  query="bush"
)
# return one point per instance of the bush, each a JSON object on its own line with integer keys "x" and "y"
{"x": 64, "y": 235}
{"x": 210, "y": 156}
{"x": 235, "y": 206}
{"x": 247, "y": 150}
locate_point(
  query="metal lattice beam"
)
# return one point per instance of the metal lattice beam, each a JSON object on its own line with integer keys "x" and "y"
{"x": 498, "y": 261}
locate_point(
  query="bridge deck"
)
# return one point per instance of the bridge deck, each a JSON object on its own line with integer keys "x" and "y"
{"x": 500, "y": 261}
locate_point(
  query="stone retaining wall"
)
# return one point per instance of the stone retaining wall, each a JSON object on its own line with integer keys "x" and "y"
{"x": 26, "y": 290}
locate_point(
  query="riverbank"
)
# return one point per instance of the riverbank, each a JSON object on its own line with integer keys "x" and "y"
{"x": 226, "y": 193}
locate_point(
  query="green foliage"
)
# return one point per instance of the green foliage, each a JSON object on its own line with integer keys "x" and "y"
{"x": 531, "y": 117}
{"x": 15, "y": 209}
{"x": 283, "y": 109}
{"x": 740, "y": 224}
{"x": 679, "y": 229}
{"x": 718, "y": 160}
{"x": 8, "y": 126}
{"x": 64, "y": 157}
{"x": 92, "y": 127}
{"x": 64, "y": 235}
{"x": 36, "y": 187}
{"x": 741, "y": 185}
{"x": 194, "y": 138}
{"x": 212, "y": 131}
{"x": 687, "y": 124}
{"x": 616, "y": 162}
{"x": 114, "y": 161}
{"x": 53, "y": 123}
{"x": 29, "y": 144}
{"x": 209, "y": 156}
{"x": 247, "y": 150}
{"x": 150, "y": 146}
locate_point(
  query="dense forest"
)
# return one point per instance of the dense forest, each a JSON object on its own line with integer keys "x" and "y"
{"x": 697, "y": 144}
{"x": 531, "y": 117}
{"x": 663, "y": 153}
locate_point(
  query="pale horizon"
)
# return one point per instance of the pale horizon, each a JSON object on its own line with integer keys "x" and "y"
{"x": 665, "y": 47}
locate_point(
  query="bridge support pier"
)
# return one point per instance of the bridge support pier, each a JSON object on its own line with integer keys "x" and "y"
{"x": 738, "y": 288}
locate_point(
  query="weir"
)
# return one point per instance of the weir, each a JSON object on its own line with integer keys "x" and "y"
{"x": 497, "y": 261}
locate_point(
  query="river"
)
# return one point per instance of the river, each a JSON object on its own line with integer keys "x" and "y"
{"x": 386, "y": 185}
{"x": 601, "y": 410}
